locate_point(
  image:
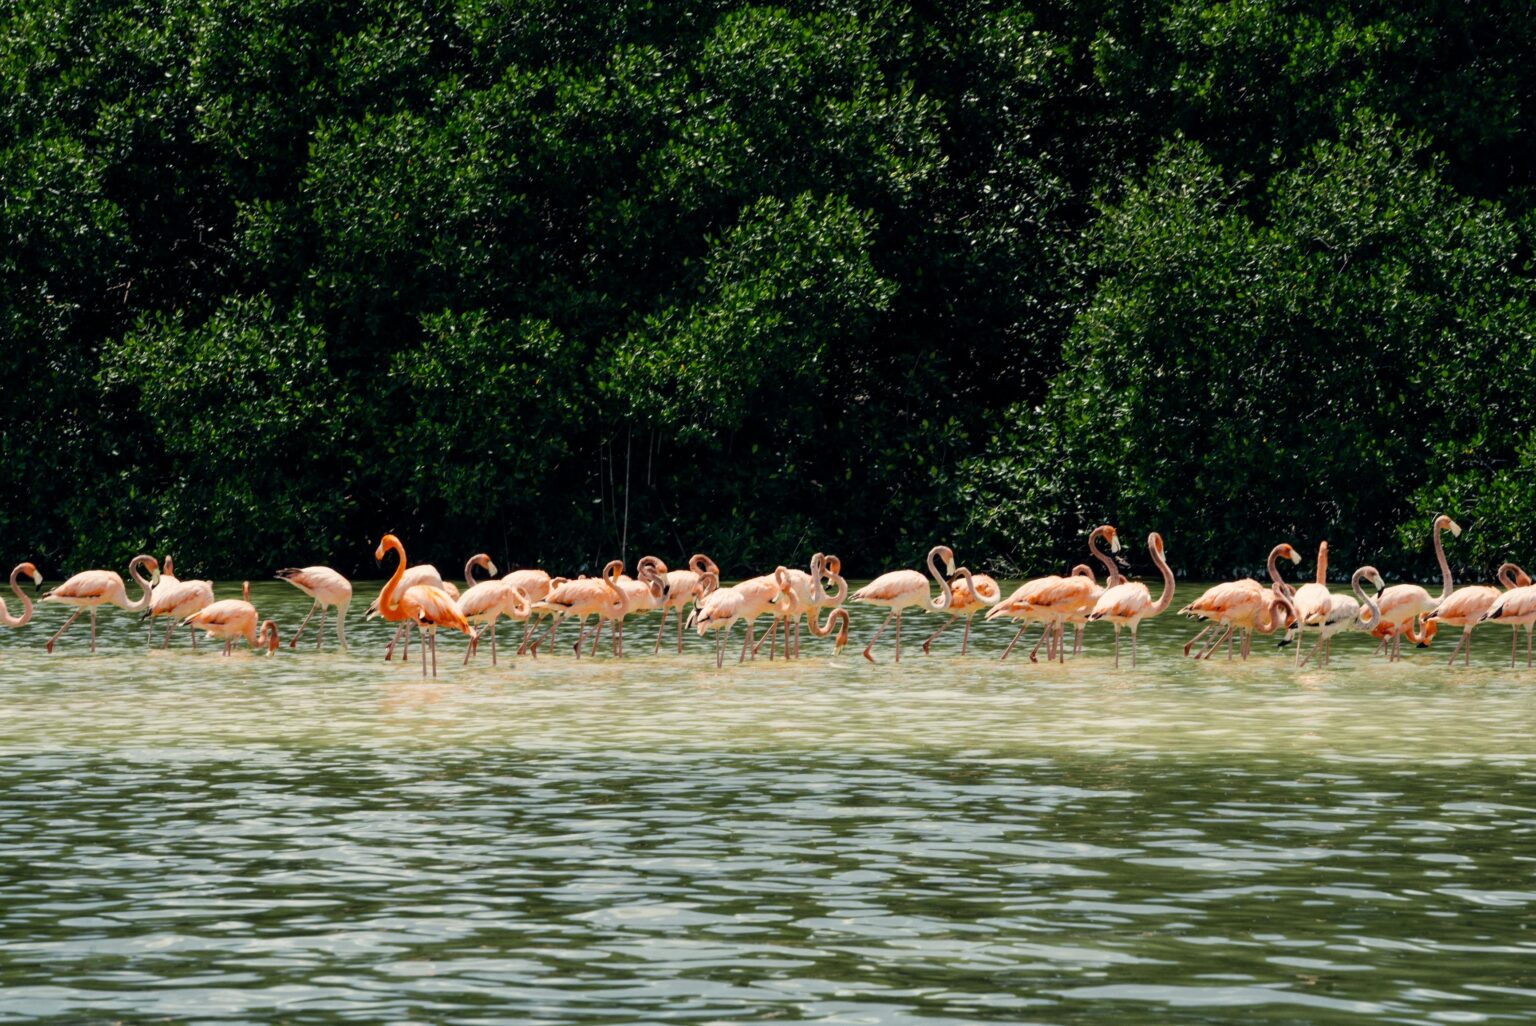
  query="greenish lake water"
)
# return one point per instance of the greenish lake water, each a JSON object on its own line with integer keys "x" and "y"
{"x": 327, "y": 838}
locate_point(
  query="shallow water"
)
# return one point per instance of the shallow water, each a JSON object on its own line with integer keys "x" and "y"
{"x": 324, "y": 837}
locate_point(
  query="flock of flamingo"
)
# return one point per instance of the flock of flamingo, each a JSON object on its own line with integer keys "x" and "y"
{"x": 418, "y": 596}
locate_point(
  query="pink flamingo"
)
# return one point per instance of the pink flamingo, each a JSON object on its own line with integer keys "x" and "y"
{"x": 1238, "y": 605}
{"x": 1403, "y": 604}
{"x": 327, "y": 588}
{"x": 584, "y": 597}
{"x": 92, "y": 589}
{"x": 1048, "y": 600}
{"x": 484, "y": 602}
{"x": 535, "y": 584}
{"x": 902, "y": 588}
{"x": 1079, "y": 617}
{"x": 1467, "y": 606}
{"x": 424, "y": 606}
{"x": 745, "y": 601}
{"x": 177, "y": 599}
{"x": 1516, "y": 607}
{"x": 1126, "y": 605}
{"x": 969, "y": 594}
{"x": 682, "y": 587}
{"x": 232, "y": 619}
{"x": 644, "y": 592}
{"x": 1313, "y": 600}
{"x": 1343, "y": 613}
{"x": 26, "y": 603}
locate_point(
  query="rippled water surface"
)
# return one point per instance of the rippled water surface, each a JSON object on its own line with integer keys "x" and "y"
{"x": 324, "y": 837}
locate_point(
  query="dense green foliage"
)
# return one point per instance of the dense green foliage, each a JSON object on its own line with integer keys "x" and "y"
{"x": 557, "y": 279}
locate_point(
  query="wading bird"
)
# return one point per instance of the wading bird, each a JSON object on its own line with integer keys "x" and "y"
{"x": 1238, "y": 605}
{"x": 969, "y": 594}
{"x": 581, "y": 598}
{"x": 415, "y": 576}
{"x": 1516, "y": 607}
{"x": 424, "y": 606}
{"x": 233, "y": 619}
{"x": 177, "y": 600}
{"x": 6, "y": 618}
{"x": 1403, "y": 604}
{"x": 92, "y": 589}
{"x": 1126, "y": 605}
{"x": 682, "y": 587}
{"x": 900, "y": 589}
{"x": 328, "y": 588}
{"x": 1048, "y": 600}
{"x": 1313, "y": 599}
{"x": 1343, "y": 613}
{"x": 483, "y": 602}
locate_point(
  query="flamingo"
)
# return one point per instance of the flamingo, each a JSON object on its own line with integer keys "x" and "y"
{"x": 1468, "y": 606}
{"x": 91, "y": 589}
{"x": 1516, "y": 607}
{"x": 682, "y": 586}
{"x": 486, "y": 601}
{"x": 646, "y": 591}
{"x": 1048, "y": 600}
{"x": 1403, "y": 604}
{"x": 1126, "y": 605}
{"x": 717, "y": 609}
{"x": 1313, "y": 599}
{"x": 902, "y": 588}
{"x": 745, "y": 601}
{"x": 415, "y": 576}
{"x": 26, "y": 603}
{"x": 426, "y": 606}
{"x": 177, "y": 599}
{"x": 582, "y": 598}
{"x": 327, "y": 588}
{"x": 232, "y": 619}
{"x": 1343, "y": 613}
{"x": 535, "y": 584}
{"x": 1238, "y": 605}
{"x": 1079, "y": 617}
{"x": 968, "y": 595}
{"x": 167, "y": 579}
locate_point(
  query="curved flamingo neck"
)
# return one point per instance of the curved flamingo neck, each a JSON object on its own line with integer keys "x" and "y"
{"x": 387, "y": 597}
{"x": 1510, "y": 576}
{"x": 946, "y": 596}
{"x": 1365, "y": 600}
{"x": 1155, "y": 546}
{"x": 1277, "y": 585}
{"x": 1268, "y": 622}
{"x": 480, "y": 560}
{"x": 26, "y": 604}
{"x": 1083, "y": 570}
{"x": 147, "y": 586}
{"x": 1446, "y": 584}
{"x": 1111, "y": 568}
{"x": 611, "y": 574}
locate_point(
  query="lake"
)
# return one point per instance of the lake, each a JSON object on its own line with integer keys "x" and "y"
{"x": 328, "y": 838}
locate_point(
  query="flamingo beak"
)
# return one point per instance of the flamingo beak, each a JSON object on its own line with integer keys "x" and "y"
{"x": 1114, "y": 543}
{"x": 1454, "y": 526}
{"x": 1295, "y": 556}
{"x": 491, "y": 569}
{"x": 37, "y": 580}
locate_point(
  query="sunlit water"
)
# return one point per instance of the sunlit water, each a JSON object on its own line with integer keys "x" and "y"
{"x": 323, "y": 837}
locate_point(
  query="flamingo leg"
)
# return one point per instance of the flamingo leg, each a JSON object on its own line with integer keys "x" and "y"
{"x": 61, "y": 630}
{"x": 581, "y": 636}
{"x": 679, "y": 630}
{"x": 1019, "y": 634}
{"x": 167, "y": 642}
{"x": 898, "y": 636}
{"x": 947, "y": 625}
{"x": 93, "y": 630}
{"x": 1463, "y": 647}
{"x": 1514, "y": 639}
{"x": 1034, "y": 651}
{"x": 965, "y": 639}
{"x": 877, "y": 635}
{"x": 1117, "y": 646}
{"x": 1212, "y": 645}
{"x": 1229, "y": 644}
{"x": 797, "y": 637}
{"x": 432, "y": 637}
{"x": 1061, "y": 642}
{"x": 493, "y": 642}
{"x": 1191, "y": 642}
{"x": 300, "y": 631}
{"x": 1077, "y": 646}
{"x": 746, "y": 644}
{"x": 320, "y": 635}
{"x": 1134, "y": 626}
{"x": 662, "y": 629}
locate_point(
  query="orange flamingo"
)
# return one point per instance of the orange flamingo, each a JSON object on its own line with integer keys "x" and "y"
{"x": 484, "y": 602}
{"x": 327, "y": 588}
{"x": 424, "y": 606}
{"x": 26, "y": 603}
{"x": 902, "y": 588}
{"x": 581, "y": 598}
{"x": 415, "y": 576}
{"x": 535, "y": 584}
{"x": 1126, "y": 605}
{"x": 682, "y": 587}
{"x": 811, "y": 598}
{"x": 969, "y": 594}
{"x": 1403, "y": 604}
{"x": 1238, "y": 605}
{"x": 1079, "y": 618}
{"x": 746, "y": 601}
{"x": 177, "y": 599}
{"x": 233, "y": 619}
{"x": 92, "y": 589}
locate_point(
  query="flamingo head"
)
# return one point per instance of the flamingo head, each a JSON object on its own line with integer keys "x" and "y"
{"x": 948, "y": 555}
{"x": 1284, "y": 551}
{"x": 169, "y": 566}
{"x": 386, "y": 543}
{"x": 1108, "y": 531}
{"x": 654, "y": 562}
{"x": 1370, "y": 573}
{"x": 613, "y": 571}
{"x": 1443, "y": 522}
{"x": 1082, "y": 570}
{"x": 833, "y": 565}
{"x": 31, "y": 571}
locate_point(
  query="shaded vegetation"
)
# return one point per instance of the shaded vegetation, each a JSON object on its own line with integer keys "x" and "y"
{"x": 559, "y": 279}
